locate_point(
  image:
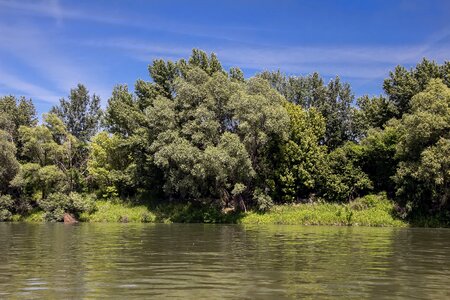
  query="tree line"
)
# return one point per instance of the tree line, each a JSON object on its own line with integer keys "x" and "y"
{"x": 196, "y": 132}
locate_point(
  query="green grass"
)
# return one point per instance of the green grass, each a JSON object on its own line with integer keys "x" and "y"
{"x": 372, "y": 210}
{"x": 37, "y": 216}
{"x": 109, "y": 211}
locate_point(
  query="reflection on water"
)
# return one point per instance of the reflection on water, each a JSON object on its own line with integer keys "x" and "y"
{"x": 222, "y": 261}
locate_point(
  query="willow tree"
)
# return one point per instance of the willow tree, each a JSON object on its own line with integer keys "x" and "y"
{"x": 211, "y": 140}
{"x": 423, "y": 176}
{"x": 196, "y": 131}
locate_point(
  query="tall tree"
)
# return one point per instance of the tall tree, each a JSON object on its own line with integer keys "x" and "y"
{"x": 423, "y": 176}
{"x": 403, "y": 84}
{"x": 300, "y": 160}
{"x": 9, "y": 166}
{"x": 80, "y": 113}
{"x": 333, "y": 101}
{"x": 52, "y": 153}
{"x": 371, "y": 112}
{"x": 15, "y": 113}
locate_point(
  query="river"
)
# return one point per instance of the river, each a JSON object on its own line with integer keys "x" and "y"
{"x": 196, "y": 261}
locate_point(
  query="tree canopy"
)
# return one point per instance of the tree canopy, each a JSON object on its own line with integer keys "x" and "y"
{"x": 196, "y": 132}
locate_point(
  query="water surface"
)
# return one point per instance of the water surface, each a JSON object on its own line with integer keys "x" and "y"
{"x": 194, "y": 261}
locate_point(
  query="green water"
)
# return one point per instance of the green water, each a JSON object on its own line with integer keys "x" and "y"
{"x": 124, "y": 261}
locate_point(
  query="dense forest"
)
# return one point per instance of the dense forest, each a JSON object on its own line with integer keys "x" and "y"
{"x": 198, "y": 133}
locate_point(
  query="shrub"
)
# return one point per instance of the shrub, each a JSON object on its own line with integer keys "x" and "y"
{"x": 56, "y": 204}
{"x": 6, "y": 204}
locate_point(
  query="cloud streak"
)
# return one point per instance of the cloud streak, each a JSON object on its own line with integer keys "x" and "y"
{"x": 364, "y": 62}
{"x": 11, "y": 82}
{"x": 62, "y": 59}
{"x": 53, "y": 9}
{"x": 37, "y": 52}
{"x": 150, "y": 22}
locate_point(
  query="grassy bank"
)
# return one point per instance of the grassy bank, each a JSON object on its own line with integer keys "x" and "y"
{"x": 372, "y": 210}
{"x": 107, "y": 211}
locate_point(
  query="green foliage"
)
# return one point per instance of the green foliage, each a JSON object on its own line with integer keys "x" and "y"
{"x": 301, "y": 159}
{"x": 209, "y": 142}
{"x": 9, "y": 166}
{"x": 15, "y": 113}
{"x": 123, "y": 115}
{"x": 344, "y": 180}
{"x": 52, "y": 169}
{"x": 80, "y": 113}
{"x": 109, "y": 165}
{"x": 36, "y": 216}
{"x": 214, "y": 134}
{"x": 378, "y": 157}
{"x": 263, "y": 201}
{"x": 424, "y": 170}
{"x": 237, "y": 74}
{"x": 6, "y": 205}
{"x": 371, "y": 210}
{"x": 372, "y": 113}
{"x": 333, "y": 101}
{"x": 109, "y": 211}
{"x": 402, "y": 84}
{"x": 56, "y": 204}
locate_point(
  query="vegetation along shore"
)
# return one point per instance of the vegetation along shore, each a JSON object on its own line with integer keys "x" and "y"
{"x": 198, "y": 143}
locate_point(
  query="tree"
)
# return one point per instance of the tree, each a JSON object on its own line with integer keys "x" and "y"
{"x": 9, "y": 166}
{"x": 434, "y": 172}
{"x": 181, "y": 129}
{"x": 213, "y": 136}
{"x": 403, "y": 84}
{"x": 336, "y": 109}
{"x": 379, "y": 159}
{"x": 80, "y": 113}
{"x": 123, "y": 114}
{"x": 423, "y": 173}
{"x": 52, "y": 155}
{"x": 372, "y": 112}
{"x": 333, "y": 101}
{"x": 343, "y": 178}
{"x": 109, "y": 165}
{"x": 15, "y": 113}
{"x": 301, "y": 159}
{"x": 260, "y": 117}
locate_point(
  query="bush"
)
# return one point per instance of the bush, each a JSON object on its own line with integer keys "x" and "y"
{"x": 263, "y": 201}
{"x": 343, "y": 179}
{"x": 82, "y": 203}
{"x": 56, "y": 204}
{"x": 366, "y": 202}
{"x": 6, "y": 205}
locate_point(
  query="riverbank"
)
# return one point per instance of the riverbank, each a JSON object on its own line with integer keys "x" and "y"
{"x": 372, "y": 210}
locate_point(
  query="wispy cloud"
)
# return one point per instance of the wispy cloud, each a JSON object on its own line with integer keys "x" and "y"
{"x": 148, "y": 22}
{"x": 54, "y": 9}
{"x": 13, "y": 83}
{"x": 364, "y": 62}
{"x": 38, "y": 53}
{"x": 42, "y": 48}
{"x": 350, "y": 61}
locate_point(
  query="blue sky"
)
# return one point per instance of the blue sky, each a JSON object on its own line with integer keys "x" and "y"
{"x": 48, "y": 46}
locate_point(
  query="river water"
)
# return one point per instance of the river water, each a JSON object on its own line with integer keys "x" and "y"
{"x": 195, "y": 261}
